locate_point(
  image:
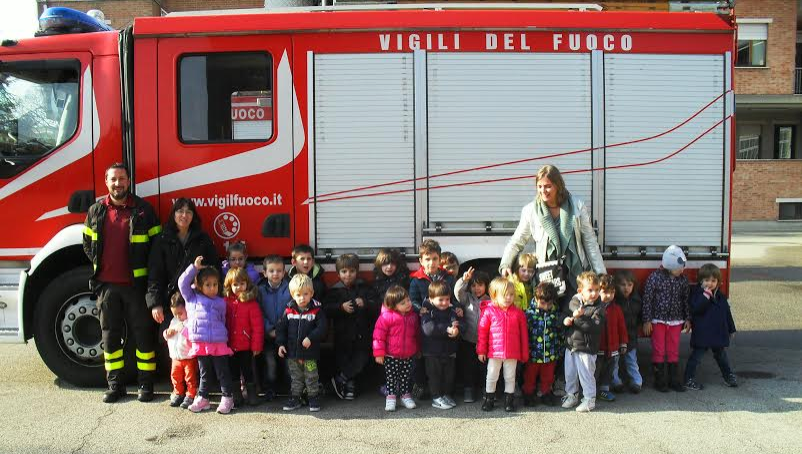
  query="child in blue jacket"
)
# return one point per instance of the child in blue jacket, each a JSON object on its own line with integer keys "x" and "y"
{"x": 713, "y": 327}
{"x": 274, "y": 295}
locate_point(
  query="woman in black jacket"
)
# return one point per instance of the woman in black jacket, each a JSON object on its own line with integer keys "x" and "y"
{"x": 181, "y": 241}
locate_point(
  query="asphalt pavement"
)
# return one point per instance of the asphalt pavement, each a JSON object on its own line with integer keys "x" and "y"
{"x": 763, "y": 415}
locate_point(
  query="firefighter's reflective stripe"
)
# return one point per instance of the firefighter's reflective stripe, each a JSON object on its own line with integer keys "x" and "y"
{"x": 140, "y": 272}
{"x": 140, "y": 238}
{"x": 114, "y": 361}
{"x": 90, "y": 233}
{"x": 146, "y": 366}
{"x": 146, "y": 355}
{"x": 146, "y": 360}
{"x": 155, "y": 230}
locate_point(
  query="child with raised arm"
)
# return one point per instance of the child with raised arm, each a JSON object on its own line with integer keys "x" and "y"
{"x": 584, "y": 318}
{"x": 503, "y": 341}
{"x": 471, "y": 290}
{"x": 352, "y": 306}
{"x": 614, "y": 338}
{"x": 545, "y": 344}
{"x": 665, "y": 316}
{"x": 713, "y": 327}
{"x": 246, "y": 331}
{"x": 628, "y": 298}
{"x": 395, "y": 345}
{"x": 184, "y": 369}
{"x": 206, "y": 325}
{"x": 440, "y": 327}
{"x": 299, "y": 333}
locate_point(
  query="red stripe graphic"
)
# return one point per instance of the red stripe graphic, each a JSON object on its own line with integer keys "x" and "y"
{"x": 496, "y": 180}
{"x": 327, "y": 197}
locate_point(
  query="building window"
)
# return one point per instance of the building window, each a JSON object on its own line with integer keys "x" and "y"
{"x": 790, "y": 211}
{"x": 752, "y": 40}
{"x": 749, "y": 141}
{"x": 226, "y": 97}
{"x": 784, "y": 137}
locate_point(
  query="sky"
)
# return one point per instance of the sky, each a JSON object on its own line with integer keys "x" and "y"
{"x": 19, "y": 19}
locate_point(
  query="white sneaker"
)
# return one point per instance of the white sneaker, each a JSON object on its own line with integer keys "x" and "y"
{"x": 588, "y": 404}
{"x": 441, "y": 404}
{"x": 389, "y": 403}
{"x": 408, "y": 401}
{"x": 450, "y": 401}
{"x": 570, "y": 401}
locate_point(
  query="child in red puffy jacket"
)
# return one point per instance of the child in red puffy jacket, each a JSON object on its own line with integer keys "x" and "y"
{"x": 503, "y": 341}
{"x": 614, "y": 338}
{"x": 246, "y": 330}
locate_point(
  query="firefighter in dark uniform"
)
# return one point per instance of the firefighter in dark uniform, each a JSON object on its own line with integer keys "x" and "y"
{"x": 117, "y": 236}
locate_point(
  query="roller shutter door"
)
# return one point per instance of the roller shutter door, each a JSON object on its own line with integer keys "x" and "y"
{"x": 364, "y": 135}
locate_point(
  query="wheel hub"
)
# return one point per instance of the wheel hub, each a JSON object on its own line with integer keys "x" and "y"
{"x": 80, "y": 330}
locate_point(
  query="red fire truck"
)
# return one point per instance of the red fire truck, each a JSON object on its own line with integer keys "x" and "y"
{"x": 353, "y": 130}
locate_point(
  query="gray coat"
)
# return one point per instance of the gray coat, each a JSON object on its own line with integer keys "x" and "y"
{"x": 584, "y": 335}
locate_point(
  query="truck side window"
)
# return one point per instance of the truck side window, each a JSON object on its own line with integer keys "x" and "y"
{"x": 226, "y": 97}
{"x": 38, "y": 110}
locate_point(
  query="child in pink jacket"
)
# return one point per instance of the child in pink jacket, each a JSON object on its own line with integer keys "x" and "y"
{"x": 395, "y": 344}
{"x": 503, "y": 341}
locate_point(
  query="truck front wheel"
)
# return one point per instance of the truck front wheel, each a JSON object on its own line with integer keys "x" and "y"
{"x": 67, "y": 329}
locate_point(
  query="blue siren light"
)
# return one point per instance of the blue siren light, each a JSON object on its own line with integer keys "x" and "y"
{"x": 60, "y": 21}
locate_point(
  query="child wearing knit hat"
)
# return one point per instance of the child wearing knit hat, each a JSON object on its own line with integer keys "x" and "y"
{"x": 665, "y": 316}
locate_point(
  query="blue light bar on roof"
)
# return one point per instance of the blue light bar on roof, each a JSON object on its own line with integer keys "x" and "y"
{"x": 59, "y": 21}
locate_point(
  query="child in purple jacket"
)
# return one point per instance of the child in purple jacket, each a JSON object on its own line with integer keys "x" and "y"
{"x": 208, "y": 336}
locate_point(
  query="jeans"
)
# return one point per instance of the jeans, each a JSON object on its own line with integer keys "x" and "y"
{"x": 720, "y": 355}
{"x": 604, "y": 371}
{"x": 630, "y": 364}
{"x": 219, "y": 366}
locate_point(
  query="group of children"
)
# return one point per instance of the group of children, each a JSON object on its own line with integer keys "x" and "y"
{"x": 422, "y": 326}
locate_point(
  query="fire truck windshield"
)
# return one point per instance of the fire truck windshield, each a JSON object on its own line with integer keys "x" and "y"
{"x": 38, "y": 110}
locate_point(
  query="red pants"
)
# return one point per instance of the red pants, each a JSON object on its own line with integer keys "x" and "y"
{"x": 665, "y": 343}
{"x": 185, "y": 370}
{"x": 534, "y": 370}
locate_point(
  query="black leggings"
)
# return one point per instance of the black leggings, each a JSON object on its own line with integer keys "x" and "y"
{"x": 218, "y": 364}
{"x": 398, "y": 375}
{"x": 242, "y": 363}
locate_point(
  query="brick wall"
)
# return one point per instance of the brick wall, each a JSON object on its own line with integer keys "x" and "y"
{"x": 778, "y": 77}
{"x": 757, "y": 184}
{"x": 194, "y": 5}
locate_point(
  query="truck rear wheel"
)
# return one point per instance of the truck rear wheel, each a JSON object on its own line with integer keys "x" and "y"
{"x": 67, "y": 329}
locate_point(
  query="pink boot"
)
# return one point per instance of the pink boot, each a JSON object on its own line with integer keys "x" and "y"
{"x": 226, "y": 405}
{"x": 199, "y": 404}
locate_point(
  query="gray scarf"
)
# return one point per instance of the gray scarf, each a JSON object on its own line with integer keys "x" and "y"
{"x": 561, "y": 238}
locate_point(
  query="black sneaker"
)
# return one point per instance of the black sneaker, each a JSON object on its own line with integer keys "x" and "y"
{"x": 187, "y": 402}
{"x": 350, "y": 390}
{"x": 145, "y": 393}
{"x": 530, "y": 400}
{"x": 113, "y": 394}
{"x": 176, "y": 399}
{"x": 731, "y": 381}
{"x": 339, "y": 387}
{"x": 692, "y": 384}
{"x": 314, "y": 404}
{"x": 550, "y": 399}
{"x": 293, "y": 403}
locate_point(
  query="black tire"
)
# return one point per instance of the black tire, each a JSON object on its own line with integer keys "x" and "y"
{"x": 64, "y": 295}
